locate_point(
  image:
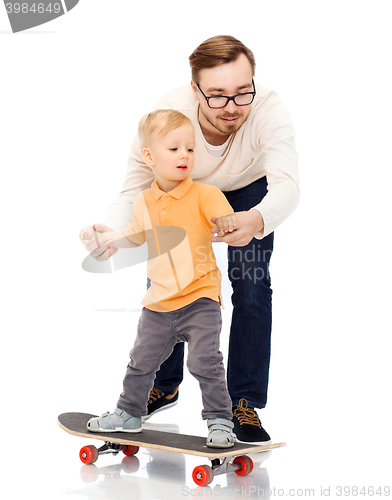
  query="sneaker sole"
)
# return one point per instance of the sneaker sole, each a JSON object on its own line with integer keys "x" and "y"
{"x": 222, "y": 446}
{"x": 120, "y": 429}
{"x": 166, "y": 407}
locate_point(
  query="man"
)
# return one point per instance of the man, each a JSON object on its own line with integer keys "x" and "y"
{"x": 245, "y": 147}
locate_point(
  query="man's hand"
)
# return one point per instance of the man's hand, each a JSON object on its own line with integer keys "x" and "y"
{"x": 97, "y": 245}
{"x": 247, "y": 225}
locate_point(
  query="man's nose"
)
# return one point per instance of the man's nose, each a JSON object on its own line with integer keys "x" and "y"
{"x": 230, "y": 107}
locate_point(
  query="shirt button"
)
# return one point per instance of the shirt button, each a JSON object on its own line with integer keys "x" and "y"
{"x": 164, "y": 212}
{"x": 164, "y": 197}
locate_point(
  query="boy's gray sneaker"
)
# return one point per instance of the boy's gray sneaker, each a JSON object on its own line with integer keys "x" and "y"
{"x": 118, "y": 421}
{"x": 220, "y": 433}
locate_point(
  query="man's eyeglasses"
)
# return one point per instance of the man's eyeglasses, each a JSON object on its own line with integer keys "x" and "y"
{"x": 221, "y": 101}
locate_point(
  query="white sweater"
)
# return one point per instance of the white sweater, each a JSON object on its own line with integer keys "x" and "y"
{"x": 263, "y": 146}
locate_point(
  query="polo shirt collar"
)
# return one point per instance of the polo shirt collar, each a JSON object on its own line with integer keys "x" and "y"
{"x": 178, "y": 192}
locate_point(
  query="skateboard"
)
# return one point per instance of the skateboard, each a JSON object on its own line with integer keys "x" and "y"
{"x": 129, "y": 443}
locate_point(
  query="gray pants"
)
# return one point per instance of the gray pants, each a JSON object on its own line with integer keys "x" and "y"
{"x": 199, "y": 324}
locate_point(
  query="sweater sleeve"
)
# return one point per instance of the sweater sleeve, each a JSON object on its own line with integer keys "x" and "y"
{"x": 275, "y": 138}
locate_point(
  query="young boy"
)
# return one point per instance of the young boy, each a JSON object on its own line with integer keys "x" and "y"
{"x": 183, "y": 301}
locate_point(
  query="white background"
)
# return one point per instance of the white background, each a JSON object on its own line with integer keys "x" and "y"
{"x": 71, "y": 94}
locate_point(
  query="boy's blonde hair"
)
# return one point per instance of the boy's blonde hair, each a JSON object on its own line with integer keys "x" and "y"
{"x": 161, "y": 121}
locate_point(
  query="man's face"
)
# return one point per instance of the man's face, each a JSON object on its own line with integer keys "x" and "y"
{"x": 226, "y": 79}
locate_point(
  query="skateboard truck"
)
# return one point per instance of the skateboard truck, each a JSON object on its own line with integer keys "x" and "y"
{"x": 225, "y": 466}
{"x": 89, "y": 454}
{"x": 115, "y": 448}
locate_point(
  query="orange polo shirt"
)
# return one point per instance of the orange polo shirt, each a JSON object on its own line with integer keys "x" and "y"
{"x": 177, "y": 228}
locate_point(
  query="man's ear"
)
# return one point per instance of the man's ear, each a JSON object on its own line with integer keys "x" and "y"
{"x": 147, "y": 157}
{"x": 195, "y": 89}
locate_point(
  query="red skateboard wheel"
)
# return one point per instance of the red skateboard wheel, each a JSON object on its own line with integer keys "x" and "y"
{"x": 88, "y": 454}
{"x": 130, "y": 450}
{"x": 202, "y": 475}
{"x": 246, "y": 464}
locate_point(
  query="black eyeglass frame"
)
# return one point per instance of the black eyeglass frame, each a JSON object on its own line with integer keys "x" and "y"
{"x": 229, "y": 98}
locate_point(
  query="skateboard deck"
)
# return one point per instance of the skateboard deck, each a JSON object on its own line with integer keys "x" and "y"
{"x": 129, "y": 443}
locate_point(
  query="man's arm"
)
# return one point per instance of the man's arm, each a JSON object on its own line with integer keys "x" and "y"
{"x": 275, "y": 138}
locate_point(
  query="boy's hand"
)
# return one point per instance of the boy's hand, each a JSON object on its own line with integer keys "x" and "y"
{"x": 97, "y": 245}
{"x": 225, "y": 224}
{"x": 248, "y": 224}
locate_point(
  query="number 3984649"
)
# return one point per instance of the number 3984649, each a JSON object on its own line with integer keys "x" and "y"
{"x": 35, "y": 8}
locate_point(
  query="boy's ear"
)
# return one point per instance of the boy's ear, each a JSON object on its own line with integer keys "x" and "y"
{"x": 147, "y": 157}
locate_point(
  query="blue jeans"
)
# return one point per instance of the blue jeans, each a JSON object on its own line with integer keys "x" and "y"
{"x": 250, "y": 332}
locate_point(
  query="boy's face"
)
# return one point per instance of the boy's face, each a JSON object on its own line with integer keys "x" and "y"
{"x": 171, "y": 156}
